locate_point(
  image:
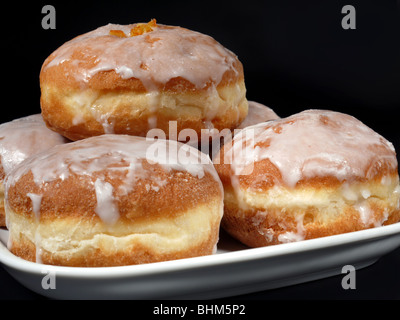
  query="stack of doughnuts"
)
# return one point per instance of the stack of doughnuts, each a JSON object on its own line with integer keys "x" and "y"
{"x": 132, "y": 187}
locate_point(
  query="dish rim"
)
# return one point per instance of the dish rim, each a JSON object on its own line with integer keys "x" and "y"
{"x": 220, "y": 258}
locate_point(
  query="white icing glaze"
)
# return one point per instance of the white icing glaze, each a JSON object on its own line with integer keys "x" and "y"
{"x": 36, "y": 202}
{"x": 365, "y": 211}
{"x": 313, "y": 143}
{"x": 111, "y": 155}
{"x": 24, "y": 137}
{"x": 257, "y": 113}
{"x": 154, "y": 57}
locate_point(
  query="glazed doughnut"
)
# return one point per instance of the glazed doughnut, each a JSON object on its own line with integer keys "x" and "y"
{"x": 128, "y": 79}
{"x": 20, "y": 139}
{"x": 257, "y": 113}
{"x": 313, "y": 174}
{"x": 114, "y": 200}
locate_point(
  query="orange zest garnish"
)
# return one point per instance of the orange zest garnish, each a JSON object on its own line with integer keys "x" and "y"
{"x": 277, "y": 129}
{"x": 142, "y": 28}
{"x": 118, "y": 33}
{"x": 137, "y": 30}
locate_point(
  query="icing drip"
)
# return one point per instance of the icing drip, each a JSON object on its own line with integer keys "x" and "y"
{"x": 36, "y": 202}
{"x": 154, "y": 57}
{"x": 106, "y": 208}
{"x": 313, "y": 143}
{"x": 365, "y": 212}
{"x": 21, "y": 138}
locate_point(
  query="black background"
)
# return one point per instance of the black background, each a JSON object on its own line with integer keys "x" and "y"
{"x": 296, "y": 56}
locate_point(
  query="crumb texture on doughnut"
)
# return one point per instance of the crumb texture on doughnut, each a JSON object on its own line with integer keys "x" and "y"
{"x": 20, "y": 139}
{"x": 106, "y": 81}
{"x": 114, "y": 200}
{"x": 313, "y": 174}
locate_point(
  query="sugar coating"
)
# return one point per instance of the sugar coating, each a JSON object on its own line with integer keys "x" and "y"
{"x": 154, "y": 57}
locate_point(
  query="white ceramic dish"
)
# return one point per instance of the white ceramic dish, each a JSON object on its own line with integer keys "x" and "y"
{"x": 233, "y": 270}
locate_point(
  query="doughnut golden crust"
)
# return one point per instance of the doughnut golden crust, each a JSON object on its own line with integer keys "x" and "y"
{"x": 121, "y": 79}
{"x": 112, "y": 200}
{"x": 20, "y": 139}
{"x": 314, "y": 174}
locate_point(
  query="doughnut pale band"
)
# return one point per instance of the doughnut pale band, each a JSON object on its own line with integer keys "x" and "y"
{"x": 80, "y": 113}
{"x": 87, "y": 243}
